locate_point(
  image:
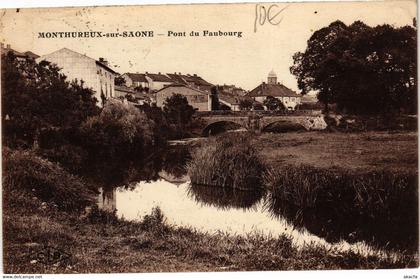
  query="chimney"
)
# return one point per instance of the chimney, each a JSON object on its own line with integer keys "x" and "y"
{"x": 147, "y": 73}
{"x": 103, "y": 61}
{"x": 195, "y": 75}
{"x": 8, "y": 46}
{"x": 159, "y": 73}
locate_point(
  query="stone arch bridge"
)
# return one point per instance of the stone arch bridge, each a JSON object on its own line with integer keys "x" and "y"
{"x": 258, "y": 122}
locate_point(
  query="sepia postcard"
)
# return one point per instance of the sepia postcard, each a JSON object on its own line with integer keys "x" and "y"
{"x": 210, "y": 137}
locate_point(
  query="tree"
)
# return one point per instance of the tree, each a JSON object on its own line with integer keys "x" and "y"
{"x": 36, "y": 98}
{"x": 162, "y": 130}
{"x": 119, "y": 80}
{"x": 214, "y": 95}
{"x": 360, "y": 68}
{"x": 120, "y": 130}
{"x": 178, "y": 112}
{"x": 273, "y": 103}
{"x": 245, "y": 104}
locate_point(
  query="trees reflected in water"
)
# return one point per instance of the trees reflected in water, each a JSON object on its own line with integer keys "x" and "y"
{"x": 126, "y": 173}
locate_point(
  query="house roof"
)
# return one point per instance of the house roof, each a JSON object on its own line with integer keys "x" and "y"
{"x": 275, "y": 90}
{"x": 184, "y": 79}
{"x": 105, "y": 67}
{"x": 30, "y": 54}
{"x": 15, "y": 52}
{"x": 233, "y": 100}
{"x": 64, "y": 49}
{"x": 159, "y": 77}
{"x": 136, "y": 77}
{"x": 197, "y": 80}
{"x": 183, "y": 85}
{"x": 176, "y": 78}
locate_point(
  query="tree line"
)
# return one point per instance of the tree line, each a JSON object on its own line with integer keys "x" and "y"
{"x": 60, "y": 119}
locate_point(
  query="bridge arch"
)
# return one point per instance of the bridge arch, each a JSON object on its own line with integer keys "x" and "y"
{"x": 220, "y": 126}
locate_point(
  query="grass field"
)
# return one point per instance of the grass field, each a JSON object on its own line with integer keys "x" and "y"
{"x": 355, "y": 151}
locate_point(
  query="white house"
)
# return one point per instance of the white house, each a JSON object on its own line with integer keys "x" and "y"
{"x": 95, "y": 73}
{"x": 134, "y": 80}
{"x": 288, "y": 97}
{"x": 200, "y": 100}
{"x": 157, "y": 81}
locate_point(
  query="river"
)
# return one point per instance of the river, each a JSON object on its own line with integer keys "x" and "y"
{"x": 208, "y": 209}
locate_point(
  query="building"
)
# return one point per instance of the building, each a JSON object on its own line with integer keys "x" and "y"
{"x": 288, "y": 97}
{"x": 193, "y": 81}
{"x": 233, "y": 102}
{"x": 157, "y": 81}
{"x": 19, "y": 55}
{"x": 198, "y": 99}
{"x": 232, "y": 90}
{"x": 95, "y": 74}
{"x": 135, "y": 80}
{"x": 154, "y": 82}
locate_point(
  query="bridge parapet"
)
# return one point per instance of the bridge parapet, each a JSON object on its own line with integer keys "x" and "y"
{"x": 260, "y": 113}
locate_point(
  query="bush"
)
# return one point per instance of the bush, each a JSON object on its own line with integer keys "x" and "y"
{"x": 121, "y": 130}
{"x": 227, "y": 161}
{"x": 283, "y": 127}
{"x": 71, "y": 157}
{"x": 378, "y": 206}
{"x": 25, "y": 171}
{"x": 359, "y": 123}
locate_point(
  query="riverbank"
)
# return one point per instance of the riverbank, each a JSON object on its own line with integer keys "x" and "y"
{"x": 98, "y": 242}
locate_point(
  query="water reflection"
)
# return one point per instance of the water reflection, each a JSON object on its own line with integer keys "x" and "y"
{"x": 181, "y": 207}
{"x": 213, "y": 209}
{"x": 107, "y": 199}
{"x": 174, "y": 161}
{"x": 168, "y": 163}
{"x": 225, "y": 198}
{"x": 323, "y": 221}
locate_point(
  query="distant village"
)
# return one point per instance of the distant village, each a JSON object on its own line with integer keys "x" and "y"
{"x": 153, "y": 88}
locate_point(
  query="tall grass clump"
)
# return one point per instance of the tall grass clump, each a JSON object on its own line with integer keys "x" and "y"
{"x": 25, "y": 171}
{"x": 227, "y": 161}
{"x": 377, "y": 206}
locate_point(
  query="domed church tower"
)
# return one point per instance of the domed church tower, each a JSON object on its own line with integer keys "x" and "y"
{"x": 272, "y": 78}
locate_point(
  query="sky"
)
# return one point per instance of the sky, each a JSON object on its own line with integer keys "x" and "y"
{"x": 244, "y": 61}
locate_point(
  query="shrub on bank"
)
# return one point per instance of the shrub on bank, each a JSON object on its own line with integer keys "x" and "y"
{"x": 25, "y": 171}
{"x": 379, "y": 205}
{"x": 120, "y": 130}
{"x": 227, "y": 161}
{"x": 360, "y": 123}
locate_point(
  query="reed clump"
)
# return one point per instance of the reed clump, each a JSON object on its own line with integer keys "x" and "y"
{"x": 379, "y": 206}
{"x": 227, "y": 161}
